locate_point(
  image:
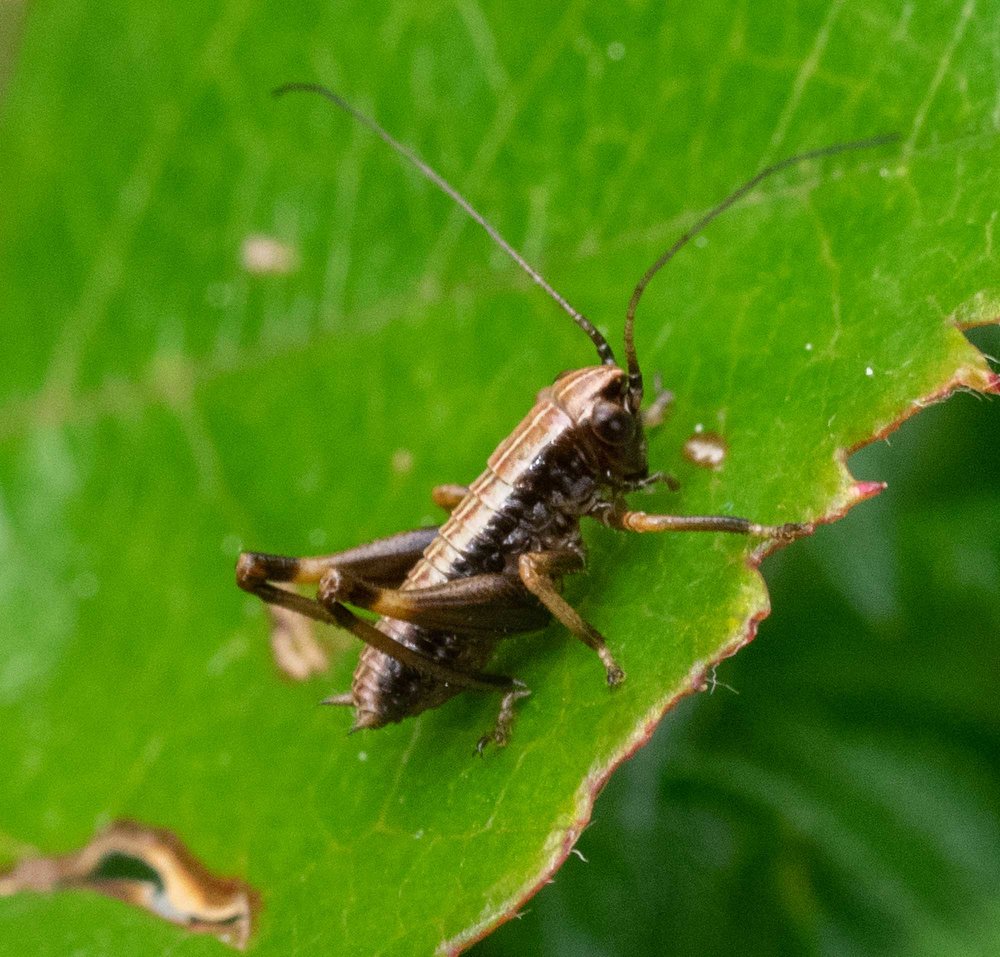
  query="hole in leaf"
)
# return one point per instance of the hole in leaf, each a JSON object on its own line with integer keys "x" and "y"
{"x": 149, "y": 868}
{"x": 123, "y": 867}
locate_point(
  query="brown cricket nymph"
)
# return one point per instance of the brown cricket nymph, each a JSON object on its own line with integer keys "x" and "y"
{"x": 447, "y": 595}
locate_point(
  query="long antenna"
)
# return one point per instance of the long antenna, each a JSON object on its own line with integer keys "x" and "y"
{"x": 634, "y": 373}
{"x": 603, "y": 348}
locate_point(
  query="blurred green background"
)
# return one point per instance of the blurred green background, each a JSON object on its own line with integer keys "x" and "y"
{"x": 845, "y": 801}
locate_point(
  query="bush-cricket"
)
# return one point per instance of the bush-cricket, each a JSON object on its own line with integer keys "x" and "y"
{"x": 447, "y": 595}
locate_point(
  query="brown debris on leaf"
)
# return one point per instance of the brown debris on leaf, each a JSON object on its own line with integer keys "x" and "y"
{"x": 296, "y": 649}
{"x": 263, "y": 255}
{"x": 148, "y": 868}
{"x": 707, "y": 449}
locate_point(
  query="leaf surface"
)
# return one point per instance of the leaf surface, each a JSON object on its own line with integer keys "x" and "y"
{"x": 163, "y": 407}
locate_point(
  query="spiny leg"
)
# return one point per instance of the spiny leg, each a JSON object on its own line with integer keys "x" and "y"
{"x": 342, "y": 617}
{"x": 537, "y": 570}
{"x": 448, "y": 496}
{"x": 494, "y": 600}
{"x": 295, "y": 648}
{"x": 256, "y": 573}
{"x": 386, "y": 561}
{"x": 484, "y": 604}
{"x": 514, "y": 689}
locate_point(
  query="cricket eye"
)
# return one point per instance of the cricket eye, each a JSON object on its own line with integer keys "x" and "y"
{"x": 612, "y": 424}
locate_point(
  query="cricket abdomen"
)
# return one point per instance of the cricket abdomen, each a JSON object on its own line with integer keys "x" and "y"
{"x": 535, "y": 487}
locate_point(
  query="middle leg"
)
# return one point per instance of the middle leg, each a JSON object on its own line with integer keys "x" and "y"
{"x": 537, "y": 570}
{"x": 448, "y": 496}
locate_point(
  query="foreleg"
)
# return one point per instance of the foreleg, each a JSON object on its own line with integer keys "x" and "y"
{"x": 630, "y": 521}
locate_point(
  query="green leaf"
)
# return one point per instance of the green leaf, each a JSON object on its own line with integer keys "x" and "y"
{"x": 163, "y": 407}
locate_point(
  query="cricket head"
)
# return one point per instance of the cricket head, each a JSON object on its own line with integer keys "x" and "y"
{"x": 608, "y": 426}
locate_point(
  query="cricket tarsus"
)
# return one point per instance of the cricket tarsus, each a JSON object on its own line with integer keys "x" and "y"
{"x": 447, "y": 596}
{"x": 500, "y": 735}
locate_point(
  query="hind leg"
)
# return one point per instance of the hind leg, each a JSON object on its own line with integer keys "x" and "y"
{"x": 385, "y": 561}
{"x": 296, "y": 650}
